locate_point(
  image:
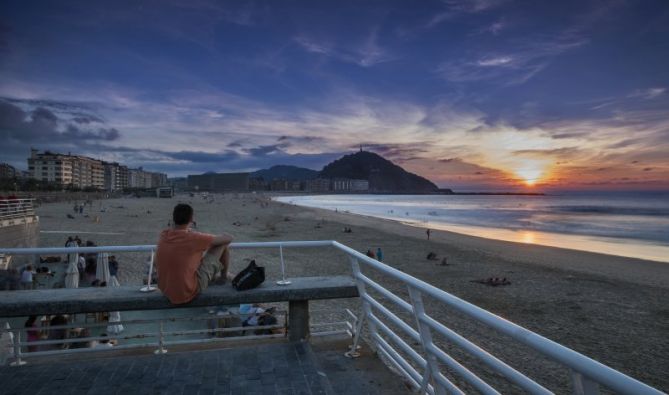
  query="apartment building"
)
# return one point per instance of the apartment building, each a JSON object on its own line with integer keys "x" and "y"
{"x": 359, "y": 185}
{"x": 318, "y": 185}
{"x": 84, "y": 172}
{"x": 140, "y": 178}
{"x": 349, "y": 185}
{"x": 7, "y": 171}
{"x": 87, "y": 173}
{"x": 116, "y": 176}
{"x": 51, "y": 167}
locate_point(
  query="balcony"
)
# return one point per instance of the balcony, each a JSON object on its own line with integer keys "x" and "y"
{"x": 401, "y": 328}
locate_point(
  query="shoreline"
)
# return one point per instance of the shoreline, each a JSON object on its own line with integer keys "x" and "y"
{"x": 613, "y": 245}
{"x": 647, "y": 272}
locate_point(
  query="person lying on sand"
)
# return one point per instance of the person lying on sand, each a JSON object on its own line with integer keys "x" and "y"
{"x": 188, "y": 261}
{"x": 493, "y": 281}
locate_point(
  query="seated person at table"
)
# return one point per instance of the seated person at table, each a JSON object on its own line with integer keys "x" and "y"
{"x": 188, "y": 261}
{"x": 58, "y": 333}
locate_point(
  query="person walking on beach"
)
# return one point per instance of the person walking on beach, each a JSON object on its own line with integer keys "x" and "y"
{"x": 70, "y": 243}
{"x": 379, "y": 254}
{"x": 188, "y": 261}
{"x": 113, "y": 269}
{"x": 27, "y": 278}
{"x": 428, "y": 234}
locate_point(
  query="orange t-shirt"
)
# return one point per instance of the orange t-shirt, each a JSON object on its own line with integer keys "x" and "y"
{"x": 178, "y": 257}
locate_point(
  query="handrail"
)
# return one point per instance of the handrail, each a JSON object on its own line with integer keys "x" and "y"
{"x": 587, "y": 373}
{"x": 152, "y": 247}
{"x": 578, "y": 362}
{"x": 16, "y": 208}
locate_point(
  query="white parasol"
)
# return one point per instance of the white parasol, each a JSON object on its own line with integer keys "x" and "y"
{"x": 112, "y": 281}
{"x": 102, "y": 269}
{"x": 72, "y": 272}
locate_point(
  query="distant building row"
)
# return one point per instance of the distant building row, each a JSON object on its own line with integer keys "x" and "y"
{"x": 224, "y": 182}
{"x": 84, "y": 172}
{"x": 8, "y": 171}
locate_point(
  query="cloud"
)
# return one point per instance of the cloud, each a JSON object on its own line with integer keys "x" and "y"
{"x": 73, "y": 133}
{"x": 515, "y": 67}
{"x": 626, "y": 143}
{"x": 648, "y": 94}
{"x": 473, "y": 6}
{"x": 42, "y": 124}
{"x": 225, "y": 132}
{"x": 496, "y": 27}
{"x": 572, "y": 135}
{"x": 202, "y": 157}
{"x": 266, "y": 149}
{"x": 522, "y": 57}
{"x": 365, "y": 52}
{"x": 87, "y": 119}
{"x": 563, "y": 152}
{"x": 498, "y": 61}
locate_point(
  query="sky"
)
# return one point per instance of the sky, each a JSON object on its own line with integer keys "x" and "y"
{"x": 475, "y": 95}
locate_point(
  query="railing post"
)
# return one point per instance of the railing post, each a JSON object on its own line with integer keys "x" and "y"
{"x": 148, "y": 287}
{"x": 432, "y": 367}
{"x": 161, "y": 340}
{"x": 298, "y": 320}
{"x": 353, "y": 351}
{"x": 366, "y": 313}
{"x": 17, "y": 350}
{"x": 583, "y": 385}
{"x": 283, "y": 280}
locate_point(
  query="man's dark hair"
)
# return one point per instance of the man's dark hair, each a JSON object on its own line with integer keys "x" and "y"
{"x": 182, "y": 214}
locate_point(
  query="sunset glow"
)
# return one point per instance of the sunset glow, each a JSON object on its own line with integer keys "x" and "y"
{"x": 527, "y": 237}
{"x": 493, "y": 97}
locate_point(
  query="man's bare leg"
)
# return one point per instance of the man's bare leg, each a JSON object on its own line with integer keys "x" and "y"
{"x": 222, "y": 255}
{"x": 225, "y": 263}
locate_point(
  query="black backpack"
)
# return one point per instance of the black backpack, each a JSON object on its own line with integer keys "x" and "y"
{"x": 250, "y": 277}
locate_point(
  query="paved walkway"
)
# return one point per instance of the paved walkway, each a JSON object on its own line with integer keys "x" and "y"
{"x": 283, "y": 368}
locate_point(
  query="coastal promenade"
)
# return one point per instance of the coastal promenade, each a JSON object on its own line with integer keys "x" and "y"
{"x": 281, "y": 368}
{"x": 404, "y": 339}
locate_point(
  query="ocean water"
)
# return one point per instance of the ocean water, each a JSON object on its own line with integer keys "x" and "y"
{"x": 632, "y": 225}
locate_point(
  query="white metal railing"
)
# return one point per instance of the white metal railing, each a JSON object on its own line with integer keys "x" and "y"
{"x": 587, "y": 374}
{"x": 16, "y": 208}
{"x": 160, "y": 335}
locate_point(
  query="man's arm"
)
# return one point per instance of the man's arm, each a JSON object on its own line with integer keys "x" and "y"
{"x": 221, "y": 240}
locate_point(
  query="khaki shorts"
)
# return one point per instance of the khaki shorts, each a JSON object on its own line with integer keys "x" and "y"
{"x": 208, "y": 270}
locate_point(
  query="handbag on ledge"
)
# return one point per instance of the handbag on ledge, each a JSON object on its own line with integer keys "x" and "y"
{"x": 250, "y": 277}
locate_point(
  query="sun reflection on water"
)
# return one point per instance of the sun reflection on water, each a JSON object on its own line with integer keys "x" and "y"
{"x": 527, "y": 237}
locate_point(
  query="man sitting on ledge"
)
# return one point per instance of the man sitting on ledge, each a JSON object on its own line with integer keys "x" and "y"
{"x": 187, "y": 261}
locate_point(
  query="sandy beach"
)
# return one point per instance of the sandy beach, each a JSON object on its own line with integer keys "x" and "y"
{"x": 613, "y": 309}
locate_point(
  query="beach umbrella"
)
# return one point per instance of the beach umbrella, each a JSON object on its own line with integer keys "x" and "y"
{"x": 113, "y": 282}
{"x": 102, "y": 270}
{"x": 114, "y": 316}
{"x": 72, "y": 272}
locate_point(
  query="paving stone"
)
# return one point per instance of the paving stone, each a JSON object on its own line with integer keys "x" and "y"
{"x": 283, "y": 368}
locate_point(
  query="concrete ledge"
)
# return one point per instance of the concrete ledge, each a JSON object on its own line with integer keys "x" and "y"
{"x": 89, "y": 300}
